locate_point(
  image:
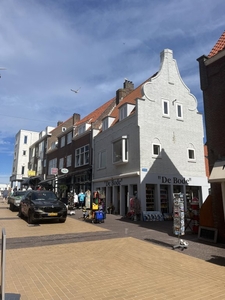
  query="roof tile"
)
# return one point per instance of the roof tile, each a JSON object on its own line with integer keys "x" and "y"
{"x": 219, "y": 46}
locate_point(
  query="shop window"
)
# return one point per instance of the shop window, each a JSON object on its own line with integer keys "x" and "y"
{"x": 120, "y": 150}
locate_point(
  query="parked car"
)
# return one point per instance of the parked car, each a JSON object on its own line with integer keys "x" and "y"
{"x": 14, "y": 200}
{"x": 42, "y": 205}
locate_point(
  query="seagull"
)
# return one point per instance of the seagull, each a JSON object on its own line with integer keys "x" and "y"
{"x": 75, "y": 91}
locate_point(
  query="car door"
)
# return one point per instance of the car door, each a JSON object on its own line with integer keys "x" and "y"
{"x": 25, "y": 203}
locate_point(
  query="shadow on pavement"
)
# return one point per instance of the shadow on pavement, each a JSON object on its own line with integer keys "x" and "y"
{"x": 217, "y": 260}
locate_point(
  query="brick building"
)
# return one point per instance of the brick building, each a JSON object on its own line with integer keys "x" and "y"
{"x": 212, "y": 78}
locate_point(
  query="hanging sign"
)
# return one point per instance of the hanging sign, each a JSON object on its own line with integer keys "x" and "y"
{"x": 64, "y": 170}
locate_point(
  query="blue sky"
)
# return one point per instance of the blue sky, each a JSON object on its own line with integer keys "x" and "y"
{"x": 50, "y": 47}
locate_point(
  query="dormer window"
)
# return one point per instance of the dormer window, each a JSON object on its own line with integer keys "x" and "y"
{"x": 125, "y": 110}
{"x": 82, "y": 128}
{"x": 107, "y": 122}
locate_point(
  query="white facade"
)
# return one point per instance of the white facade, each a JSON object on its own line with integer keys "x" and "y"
{"x": 164, "y": 137}
{"x": 23, "y": 140}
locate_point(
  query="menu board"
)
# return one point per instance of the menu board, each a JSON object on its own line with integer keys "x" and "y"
{"x": 178, "y": 214}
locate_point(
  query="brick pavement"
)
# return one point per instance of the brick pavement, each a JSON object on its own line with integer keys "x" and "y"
{"x": 119, "y": 266}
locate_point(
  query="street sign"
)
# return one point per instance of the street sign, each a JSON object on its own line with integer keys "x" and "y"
{"x": 64, "y": 170}
{"x": 54, "y": 171}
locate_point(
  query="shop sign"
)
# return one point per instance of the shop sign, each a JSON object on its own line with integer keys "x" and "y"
{"x": 31, "y": 173}
{"x": 54, "y": 171}
{"x": 64, "y": 170}
{"x": 113, "y": 182}
{"x": 174, "y": 180}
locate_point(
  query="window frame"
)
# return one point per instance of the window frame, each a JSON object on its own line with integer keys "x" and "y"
{"x": 69, "y": 137}
{"x": 120, "y": 152}
{"x": 166, "y": 114}
{"x": 102, "y": 159}
{"x": 82, "y": 156}
{"x": 177, "y": 111}
{"x": 158, "y": 154}
{"x": 189, "y": 151}
{"x": 68, "y": 161}
{"x": 62, "y": 141}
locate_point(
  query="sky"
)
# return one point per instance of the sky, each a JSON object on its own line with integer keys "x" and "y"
{"x": 49, "y": 47}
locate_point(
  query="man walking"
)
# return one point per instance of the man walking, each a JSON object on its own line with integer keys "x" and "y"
{"x": 5, "y": 195}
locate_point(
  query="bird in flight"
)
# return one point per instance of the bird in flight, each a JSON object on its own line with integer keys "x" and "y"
{"x": 76, "y": 91}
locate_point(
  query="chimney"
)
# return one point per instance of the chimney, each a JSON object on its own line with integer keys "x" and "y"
{"x": 59, "y": 123}
{"x": 128, "y": 87}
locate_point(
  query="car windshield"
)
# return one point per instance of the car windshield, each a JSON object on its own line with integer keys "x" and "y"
{"x": 44, "y": 196}
{"x": 19, "y": 193}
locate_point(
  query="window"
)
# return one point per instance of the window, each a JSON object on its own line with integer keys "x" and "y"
{"x": 52, "y": 164}
{"x": 191, "y": 154}
{"x": 120, "y": 150}
{"x": 24, "y": 152}
{"x": 126, "y": 110}
{"x": 22, "y": 170}
{"x": 102, "y": 159}
{"x": 179, "y": 111}
{"x": 69, "y": 160}
{"x": 69, "y": 137}
{"x": 82, "y": 156}
{"x": 156, "y": 150}
{"x": 107, "y": 122}
{"x": 165, "y": 107}
{"x": 62, "y": 141}
{"x": 123, "y": 112}
{"x": 25, "y": 139}
{"x": 61, "y": 163}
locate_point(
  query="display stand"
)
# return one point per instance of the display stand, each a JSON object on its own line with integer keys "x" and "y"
{"x": 179, "y": 224}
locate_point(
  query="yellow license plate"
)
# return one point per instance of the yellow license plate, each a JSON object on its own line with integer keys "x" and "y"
{"x": 52, "y": 214}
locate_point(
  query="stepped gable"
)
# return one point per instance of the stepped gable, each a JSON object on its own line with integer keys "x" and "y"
{"x": 219, "y": 46}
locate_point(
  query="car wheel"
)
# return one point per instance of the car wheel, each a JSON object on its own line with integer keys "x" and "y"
{"x": 11, "y": 206}
{"x": 30, "y": 218}
{"x": 62, "y": 220}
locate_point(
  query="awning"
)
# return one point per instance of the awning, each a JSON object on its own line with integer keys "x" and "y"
{"x": 31, "y": 180}
{"x": 218, "y": 172}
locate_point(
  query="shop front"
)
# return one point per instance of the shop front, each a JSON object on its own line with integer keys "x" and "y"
{"x": 118, "y": 191}
{"x": 158, "y": 190}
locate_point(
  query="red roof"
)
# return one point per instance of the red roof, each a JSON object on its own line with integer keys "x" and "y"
{"x": 220, "y": 45}
{"x": 94, "y": 115}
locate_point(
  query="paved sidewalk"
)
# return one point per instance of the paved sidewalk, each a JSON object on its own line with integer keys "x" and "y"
{"x": 118, "y": 266}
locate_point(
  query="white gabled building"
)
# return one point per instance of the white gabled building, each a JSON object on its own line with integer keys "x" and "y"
{"x": 152, "y": 143}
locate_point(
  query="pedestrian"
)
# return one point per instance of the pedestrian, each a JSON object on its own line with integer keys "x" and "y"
{"x": 5, "y": 195}
{"x": 81, "y": 198}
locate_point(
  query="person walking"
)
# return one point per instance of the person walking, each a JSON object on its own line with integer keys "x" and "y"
{"x": 5, "y": 195}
